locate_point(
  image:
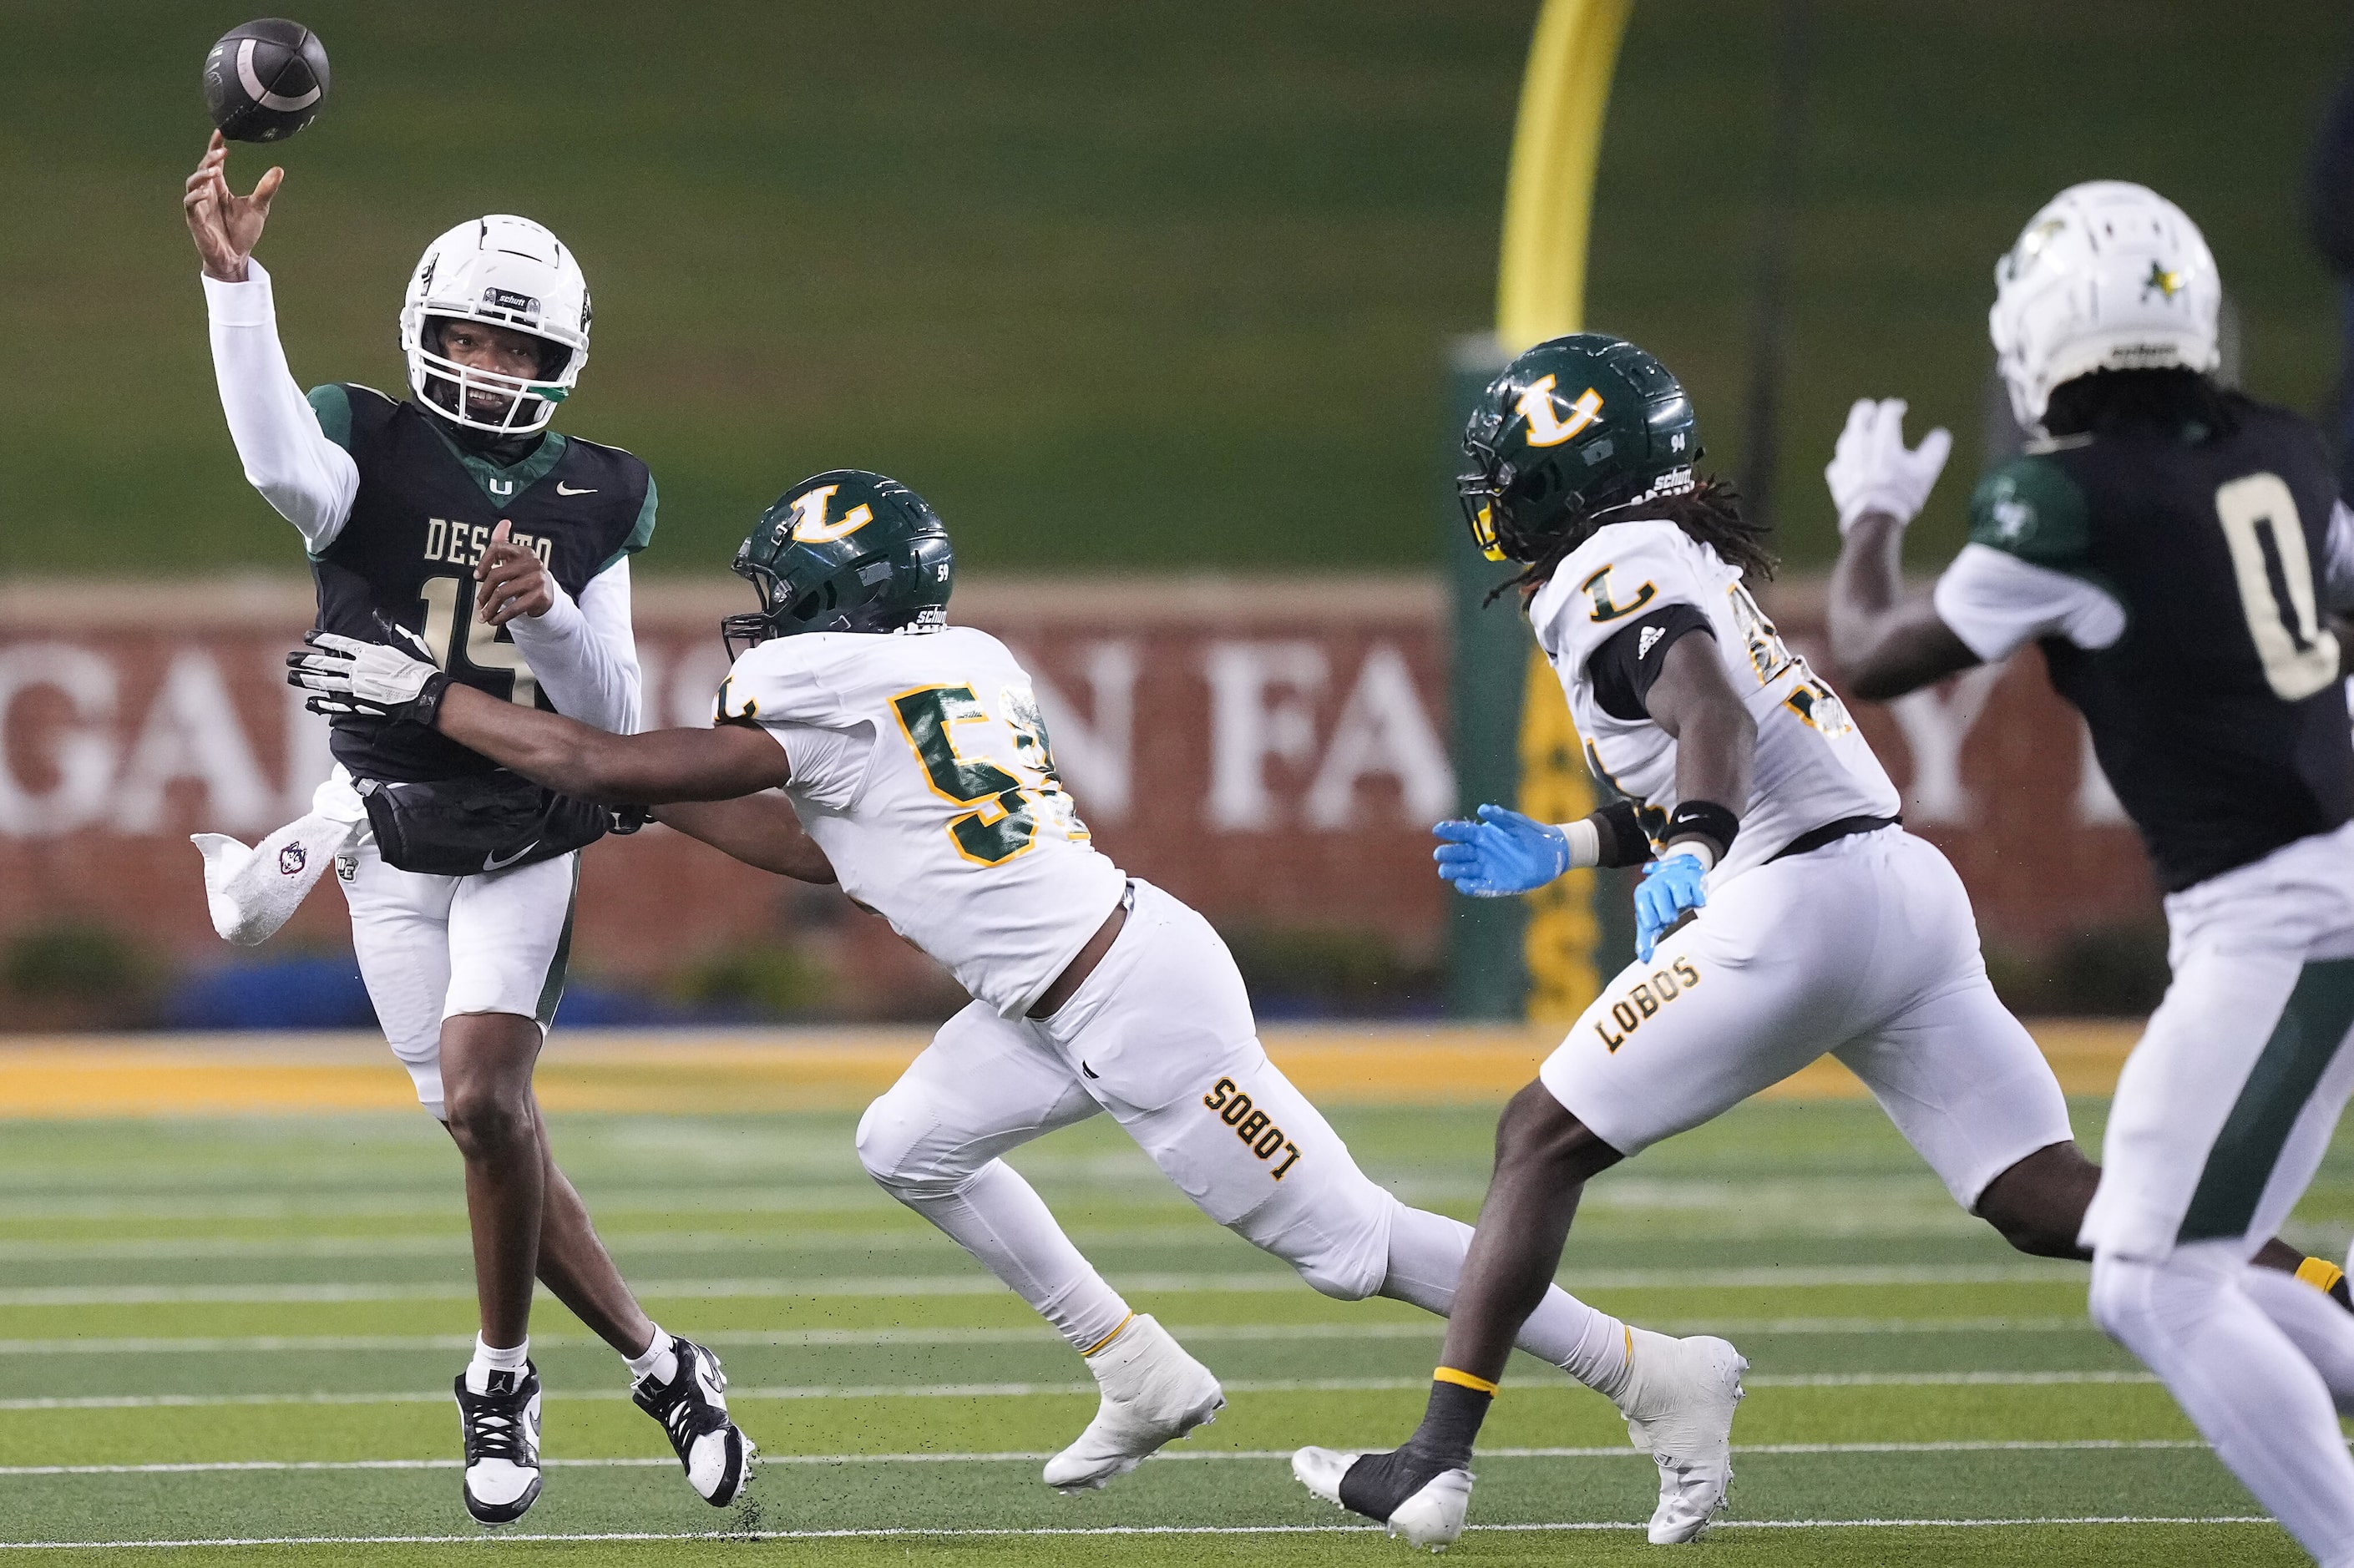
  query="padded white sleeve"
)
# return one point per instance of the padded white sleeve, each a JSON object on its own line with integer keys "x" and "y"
{"x": 1995, "y": 602}
{"x": 585, "y": 655}
{"x": 2337, "y": 570}
{"x": 309, "y": 478}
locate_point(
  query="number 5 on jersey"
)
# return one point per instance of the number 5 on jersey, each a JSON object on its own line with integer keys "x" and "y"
{"x": 1005, "y": 819}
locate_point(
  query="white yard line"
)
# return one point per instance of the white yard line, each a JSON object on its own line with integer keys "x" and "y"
{"x": 783, "y": 1198}
{"x": 981, "y": 1285}
{"x": 1026, "y": 1390}
{"x": 919, "y": 1285}
{"x": 484, "y": 1539}
{"x": 456, "y": 1244}
{"x": 1214, "y": 1456}
{"x": 795, "y": 1339}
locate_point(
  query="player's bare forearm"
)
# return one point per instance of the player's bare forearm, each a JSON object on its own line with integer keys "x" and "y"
{"x": 1716, "y": 740}
{"x": 758, "y": 829}
{"x": 1885, "y": 643}
{"x": 658, "y": 766}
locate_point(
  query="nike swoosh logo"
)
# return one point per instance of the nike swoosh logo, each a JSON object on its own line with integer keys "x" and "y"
{"x": 564, "y": 489}
{"x": 492, "y": 862}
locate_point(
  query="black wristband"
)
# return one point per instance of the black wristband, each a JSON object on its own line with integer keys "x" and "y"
{"x": 1703, "y": 819}
{"x": 426, "y": 705}
{"x": 1618, "y": 827}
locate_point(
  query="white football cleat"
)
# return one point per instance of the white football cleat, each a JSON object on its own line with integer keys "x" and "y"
{"x": 1153, "y": 1393}
{"x": 692, "y": 1409}
{"x": 500, "y": 1427}
{"x": 1679, "y": 1410}
{"x": 1431, "y": 1518}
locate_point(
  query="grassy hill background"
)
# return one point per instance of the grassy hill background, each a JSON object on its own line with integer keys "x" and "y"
{"x": 1160, "y": 285}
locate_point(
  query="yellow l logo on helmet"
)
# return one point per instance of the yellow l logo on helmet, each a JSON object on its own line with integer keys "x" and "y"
{"x": 1544, "y": 428}
{"x": 809, "y": 526}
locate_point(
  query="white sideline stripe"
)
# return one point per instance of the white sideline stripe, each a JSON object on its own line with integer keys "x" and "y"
{"x": 1026, "y": 1389}
{"x": 482, "y": 1538}
{"x": 796, "y": 1338}
{"x": 983, "y": 1285}
{"x": 1197, "y": 1456}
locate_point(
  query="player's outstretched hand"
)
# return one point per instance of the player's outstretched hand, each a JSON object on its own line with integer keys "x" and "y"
{"x": 368, "y": 680}
{"x": 225, "y": 225}
{"x": 515, "y": 581}
{"x": 1670, "y": 889}
{"x": 1502, "y": 854}
{"x": 1871, "y": 470}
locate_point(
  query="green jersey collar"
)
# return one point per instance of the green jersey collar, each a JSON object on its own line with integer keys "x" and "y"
{"x": 504, "y": 484}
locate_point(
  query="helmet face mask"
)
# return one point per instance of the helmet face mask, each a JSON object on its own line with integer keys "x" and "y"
{"x": 1545, "y": 459}
{"x": 502, "y": 272}
{"x": 2107, "y": 276}
{"x": 481, "y": 399}
{"x": 843, "y": 551}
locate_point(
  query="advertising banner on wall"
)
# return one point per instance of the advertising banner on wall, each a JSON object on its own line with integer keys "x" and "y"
{"x": 1271, "y": 751}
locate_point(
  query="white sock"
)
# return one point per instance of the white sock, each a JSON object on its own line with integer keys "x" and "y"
{"x": 658, "y": 1359}
{"x": 2322, "y": 1330}
{"x": 489, "y": 1359}
{"x": 1427, "y": 1252}
{"x": 1000, "y": 1219}
{"x": 2192, "y": 1320}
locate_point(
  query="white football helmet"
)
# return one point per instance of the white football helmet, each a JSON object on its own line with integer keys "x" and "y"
{"x": 2108, "y": 276}
{"x": 510, "y": 273}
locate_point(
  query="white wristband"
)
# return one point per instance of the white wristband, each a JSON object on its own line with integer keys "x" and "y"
{"x": 1584, "y": 843}
{"x": 1698, "y": 848}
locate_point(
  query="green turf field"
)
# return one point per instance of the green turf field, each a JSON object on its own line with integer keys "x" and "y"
{"x": 240, "y": 1330}
{"x": 1159, "y": 285}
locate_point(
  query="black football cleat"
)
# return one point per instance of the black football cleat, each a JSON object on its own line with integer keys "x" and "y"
{"x": 502, "y": 1431}
{"x": 693, "y": 1410}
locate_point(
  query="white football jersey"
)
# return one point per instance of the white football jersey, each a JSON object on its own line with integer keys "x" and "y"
{"x": 1812, "y": 768}
{"x": 921, "y": 765}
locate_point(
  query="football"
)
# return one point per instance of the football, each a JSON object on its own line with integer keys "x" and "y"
{"x": 265, "y": 80}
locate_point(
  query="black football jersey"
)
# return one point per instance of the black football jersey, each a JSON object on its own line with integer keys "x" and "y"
{"x": 2218, "y": 716}
{"x": 421, "y": 519}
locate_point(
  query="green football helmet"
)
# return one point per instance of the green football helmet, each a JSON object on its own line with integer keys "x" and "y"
{"x": 845, "y": 550}
{"x": 1574, "y": 425}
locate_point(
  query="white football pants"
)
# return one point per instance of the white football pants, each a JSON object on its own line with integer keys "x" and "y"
{"x": 2221, "y": 1118}
{"x": 1162, "y": 1036}
{"x": 432, "y": 947}
{"x": 1865, "y": 949}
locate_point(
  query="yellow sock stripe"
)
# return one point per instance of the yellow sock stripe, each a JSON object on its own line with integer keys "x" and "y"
{"x": 2319, "y": 1273}
{"x": 1464, "y": 1379}
{"x": 1107, "y": 1339}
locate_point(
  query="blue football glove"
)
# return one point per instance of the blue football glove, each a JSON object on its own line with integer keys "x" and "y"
{"x": 1502, "y": 853}
{"x": 1670, "y": 890}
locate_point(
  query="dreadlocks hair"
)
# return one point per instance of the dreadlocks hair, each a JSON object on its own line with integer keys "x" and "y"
{"x": 2174, "y": 400}
{"x": 1710, "y": 512}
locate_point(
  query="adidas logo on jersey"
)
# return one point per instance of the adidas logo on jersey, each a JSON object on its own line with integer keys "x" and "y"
{"x": 1648, "y": 641}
